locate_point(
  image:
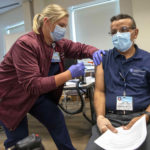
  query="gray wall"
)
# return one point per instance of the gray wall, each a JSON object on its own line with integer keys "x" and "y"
{"x": 9, "y": 18}
{"x": 141, "y": 13}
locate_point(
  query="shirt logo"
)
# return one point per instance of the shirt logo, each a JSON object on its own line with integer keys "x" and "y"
{"x": 137, "y": 72}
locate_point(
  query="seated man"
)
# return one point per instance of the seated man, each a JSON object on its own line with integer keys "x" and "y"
{"x": 124, "y": 75}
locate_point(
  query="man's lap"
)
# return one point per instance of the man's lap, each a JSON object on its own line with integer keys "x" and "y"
{"x": 95, "y": 134}
{"x": 116, "y": 122}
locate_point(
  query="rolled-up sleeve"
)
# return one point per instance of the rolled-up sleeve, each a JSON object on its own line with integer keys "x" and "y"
{"x": 25, "y": 61}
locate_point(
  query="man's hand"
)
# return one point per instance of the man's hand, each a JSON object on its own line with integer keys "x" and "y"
{"x": 132, "y": 122}
{"x": 104, "y": 124}
{"x": 97, "y": 58}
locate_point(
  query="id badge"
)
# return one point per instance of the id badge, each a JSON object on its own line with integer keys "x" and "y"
{"x": 56, "y": 57}
{"x": 124, "y": 103}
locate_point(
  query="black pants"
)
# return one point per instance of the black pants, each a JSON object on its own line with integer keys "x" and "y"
{"x": 117, "y": 121}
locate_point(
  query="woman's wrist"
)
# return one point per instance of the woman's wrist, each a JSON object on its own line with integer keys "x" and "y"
{"x": 62, "y": 78}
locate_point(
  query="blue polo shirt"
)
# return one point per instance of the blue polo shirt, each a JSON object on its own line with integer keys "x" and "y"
{"x": 130, "y": 75}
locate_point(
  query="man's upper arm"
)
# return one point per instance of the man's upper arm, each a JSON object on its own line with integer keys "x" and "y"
{"x": 99, "y": 78}
{"x": 99, "y": 93}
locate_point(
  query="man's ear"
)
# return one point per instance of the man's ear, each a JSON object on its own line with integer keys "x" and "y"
{"x": 136, "y": 33}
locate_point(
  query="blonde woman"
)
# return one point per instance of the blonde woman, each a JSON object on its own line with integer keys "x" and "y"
{"x": 32, "y": 77}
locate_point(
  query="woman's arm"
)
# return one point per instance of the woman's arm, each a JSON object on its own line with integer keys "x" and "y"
{"x": 77, "y": 50}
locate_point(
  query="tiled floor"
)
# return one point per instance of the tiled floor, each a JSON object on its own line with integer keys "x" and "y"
{"x": 79, "y": 129}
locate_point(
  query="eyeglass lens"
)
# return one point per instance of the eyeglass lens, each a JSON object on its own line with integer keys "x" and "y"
{"x": 122, "y": 29}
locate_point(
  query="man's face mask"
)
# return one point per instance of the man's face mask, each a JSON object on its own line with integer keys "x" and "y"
{"x": 58, "y": 33}
{"x": 122, "y": 41}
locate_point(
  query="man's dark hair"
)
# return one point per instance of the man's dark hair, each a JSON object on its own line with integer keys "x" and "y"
{"x": 123, "y": 16}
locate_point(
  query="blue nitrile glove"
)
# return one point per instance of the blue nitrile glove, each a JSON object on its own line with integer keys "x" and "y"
{"x": 77, "y": 70}
{"x": 97, "y": 58}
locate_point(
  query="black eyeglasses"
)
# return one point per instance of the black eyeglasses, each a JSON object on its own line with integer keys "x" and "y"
{"x": 122, "y": 29}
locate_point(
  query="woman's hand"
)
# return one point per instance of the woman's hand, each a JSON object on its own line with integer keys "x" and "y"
{"x": 97, "y": 57}
{"x": 77, "y": 70}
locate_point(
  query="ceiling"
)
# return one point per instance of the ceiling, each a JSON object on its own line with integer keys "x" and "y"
{"x": 6, "y": 5}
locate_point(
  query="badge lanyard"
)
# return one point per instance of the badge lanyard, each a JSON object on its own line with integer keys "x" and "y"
{"x": 124, "y": 80}
{"x": 53, "y": 46}
{"x": 123, "y": 102}
{"x": 56, "y": 56}
{"x": 123, "y": 77}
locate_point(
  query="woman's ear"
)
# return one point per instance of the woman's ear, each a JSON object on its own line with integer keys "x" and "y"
{"x": 45, "y": 20}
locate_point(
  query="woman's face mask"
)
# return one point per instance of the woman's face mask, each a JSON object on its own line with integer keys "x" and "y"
{"x": 122, "y": 41}
{"x": 58, "y": 33}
